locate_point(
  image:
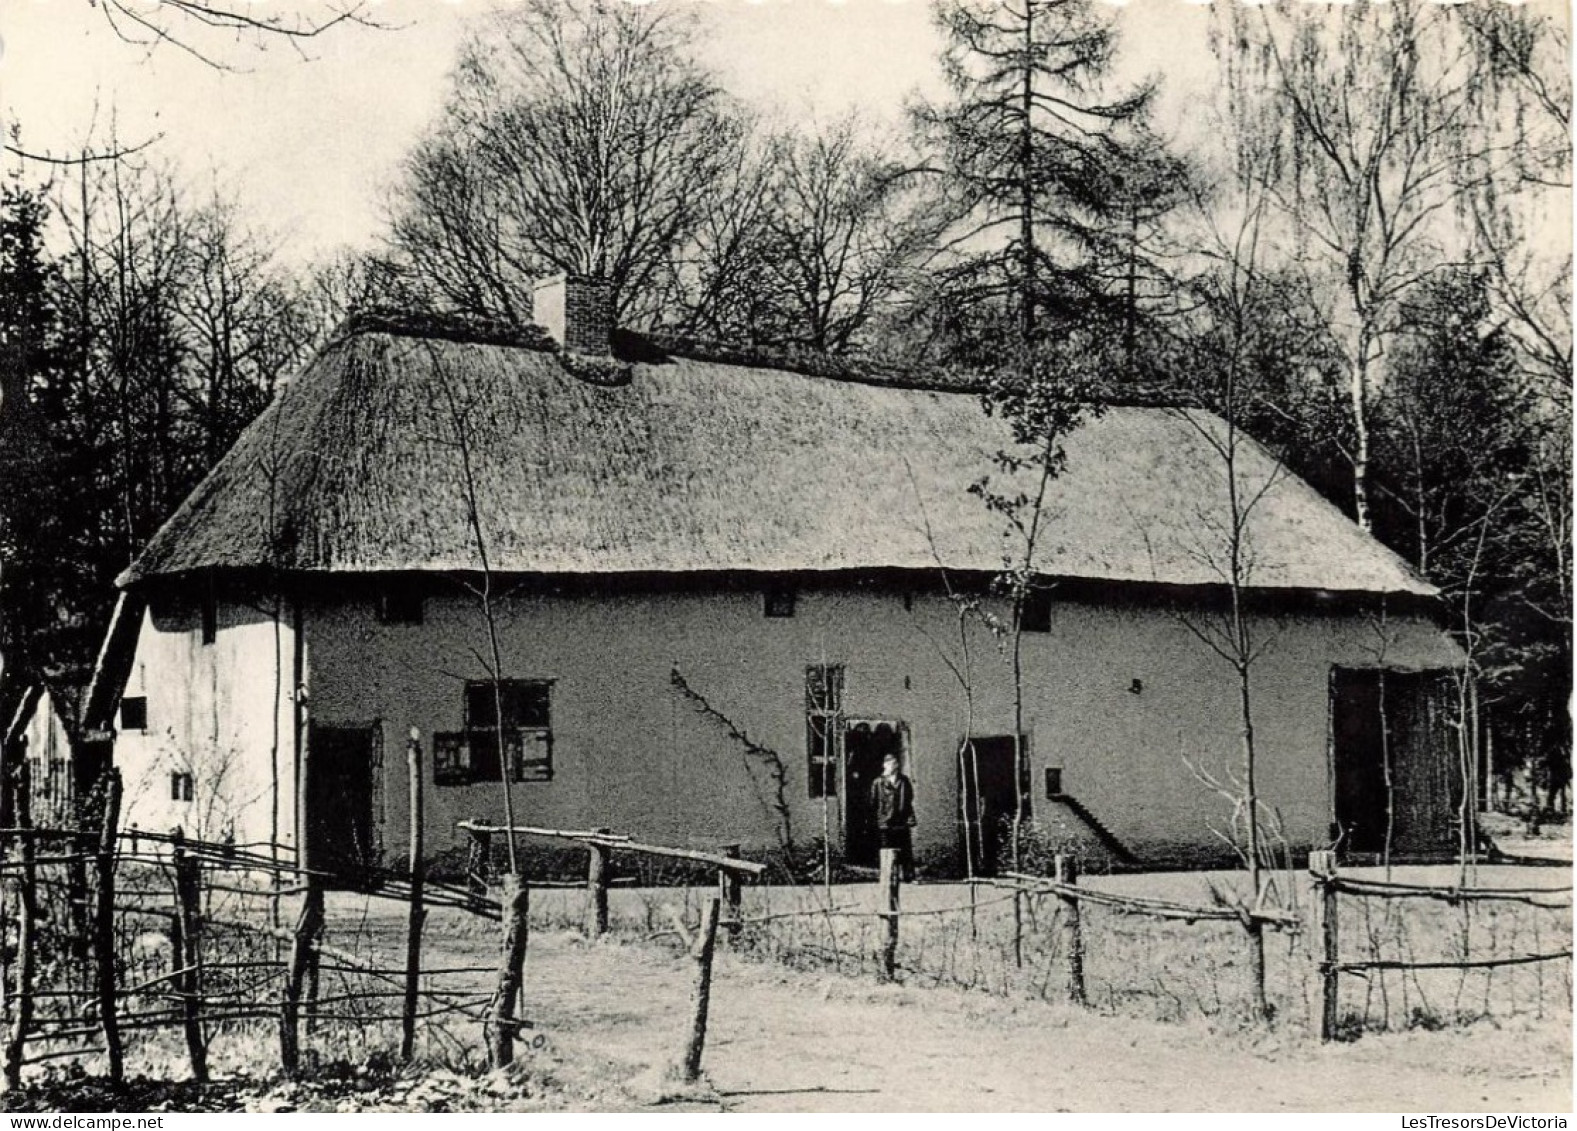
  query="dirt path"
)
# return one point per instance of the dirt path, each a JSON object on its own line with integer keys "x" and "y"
{"x": 783, "y": 1040}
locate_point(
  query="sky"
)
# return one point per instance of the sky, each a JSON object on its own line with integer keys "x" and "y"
{"x": 311, "y": 146}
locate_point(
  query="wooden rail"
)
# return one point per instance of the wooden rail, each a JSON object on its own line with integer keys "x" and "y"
{"x": 619, "y": 843}
{"x": 1146, "y": 905}
{"x": 1330, "y": 885}
{"x": 600, "y": 844}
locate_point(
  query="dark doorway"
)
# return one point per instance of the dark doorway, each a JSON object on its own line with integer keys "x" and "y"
{"x": 985, "y": 774}
{"x": 864, "y": 747}
{"x": 1395, "y": 759}
{"x": 338, "y": 798}
{"x": 88, "y": 767}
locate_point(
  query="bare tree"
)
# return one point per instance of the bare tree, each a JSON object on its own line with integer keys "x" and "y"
{"x": 713, "y": 286}
{"x": 1222, "y": 531}
{"x": 1363, "y": 124}
{"x": 1528, "y": 108}
{"x": 844, "y": 235}
{"x": 170, "y": 325}
{"x": 462, "y": 437}
{"x": 206, "y": 30}
{"x": 245, "y": 324}
{"x": 342, "y": 284}
{"x": 581, "y": 138}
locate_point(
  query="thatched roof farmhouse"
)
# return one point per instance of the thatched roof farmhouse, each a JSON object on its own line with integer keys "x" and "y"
{"x": 676, "y": 541}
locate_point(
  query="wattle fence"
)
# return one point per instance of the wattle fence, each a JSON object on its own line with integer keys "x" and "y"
{"x": 114, "y": 937}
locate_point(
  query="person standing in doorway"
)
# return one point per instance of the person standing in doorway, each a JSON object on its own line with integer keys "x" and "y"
{"x": 892, "y": 800}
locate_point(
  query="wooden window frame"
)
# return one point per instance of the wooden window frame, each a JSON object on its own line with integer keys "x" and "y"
{"x": 182, "y": 786}
{"x": 471, "y": 756}
{"x": 823, "y": 729}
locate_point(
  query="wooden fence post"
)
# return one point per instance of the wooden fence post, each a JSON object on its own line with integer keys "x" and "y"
{"x": 1018, "y": 928}
{"x": 700, "y": 1000}
{"x": 26, "y": 925}
{"x": 308, "y": 924}
{"x": 479, "y": 865}
{"x": 186, "y": 951}
{"x": 104, "y": 929}
{"x": 77, "y": 902}
{"x": 1255, "y": 930}
{"x": 413, "y": 929}
{"x": 728, "y": 887}
{"x": 7, "y": 838}
{"x": 516, "y": 901}
{"x": 1065, "y": 870}
{"x": 1322, "y": 866}
{"x": 597, "y": 890}
{"x": 888, "y": 883}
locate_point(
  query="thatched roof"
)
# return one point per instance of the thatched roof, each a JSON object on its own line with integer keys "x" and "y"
{"x": 697, "y": 465}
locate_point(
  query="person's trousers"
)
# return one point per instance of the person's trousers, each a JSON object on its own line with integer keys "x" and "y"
{"x": 903, "y": 841}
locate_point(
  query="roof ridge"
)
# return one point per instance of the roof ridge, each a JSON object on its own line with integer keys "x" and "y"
{"x": 656, "y": 347}
{"x": 449, "y": 326}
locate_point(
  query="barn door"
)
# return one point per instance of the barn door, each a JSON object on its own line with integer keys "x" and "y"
{"x": 338, "y": 800}
{"x": 1395, "y": 761}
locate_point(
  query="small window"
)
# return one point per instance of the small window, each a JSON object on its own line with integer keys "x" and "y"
{"x": 823, "y": 727}
{"x": 779, "y": 602}
{"x": 210, "y": 618}
{"x": 400, "y": 603}
{"x": 1037, "y": 611}
{"x": 134, "y": 713}
{"x": 180, "y": 786}
{"x": 451, "y": 759}
{"x": 1053, "y": 781}
{"x": 527, "y": 731}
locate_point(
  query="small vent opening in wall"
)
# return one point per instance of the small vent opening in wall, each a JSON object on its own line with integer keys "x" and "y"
{"x": 779, "y": 602}
{"x": 134, "y": 713}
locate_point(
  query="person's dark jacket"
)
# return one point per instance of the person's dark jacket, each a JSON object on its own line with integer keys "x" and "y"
{"x": 893, "y": 802}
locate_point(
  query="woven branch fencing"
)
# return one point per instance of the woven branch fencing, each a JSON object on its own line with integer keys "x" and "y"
{"x": 157, "y": 946}
{"x": 117, "y": 942}
{"x": 1469, "y": 954}
{"x": 1396, "y": 955}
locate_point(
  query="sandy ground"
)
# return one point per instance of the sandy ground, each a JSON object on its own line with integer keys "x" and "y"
{"x": 783, "y": 1040}
{"x": 1554, "y": 841}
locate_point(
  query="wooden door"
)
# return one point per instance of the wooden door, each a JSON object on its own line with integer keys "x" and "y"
{"x": 1394, "y": 758}
{"x": 986, "y": 775}
{"x": 338, "y": 800}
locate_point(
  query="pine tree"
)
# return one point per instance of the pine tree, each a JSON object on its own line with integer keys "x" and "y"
{"x": 1058, "y": 177}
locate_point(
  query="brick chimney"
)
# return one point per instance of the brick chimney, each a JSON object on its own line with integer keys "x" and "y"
{"x": 577, "y": 311}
